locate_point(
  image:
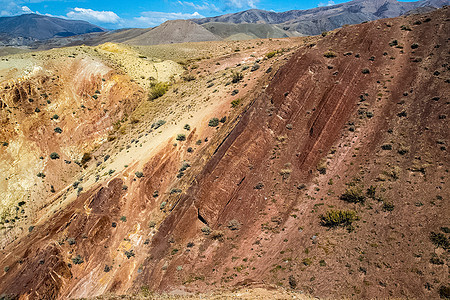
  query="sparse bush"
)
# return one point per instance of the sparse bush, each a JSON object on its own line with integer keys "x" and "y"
{"x": 71, "y": 241}
{"x": 123, "y": 218}
{"x": 54, "y": 155}
{"x": 158, "y": 124}
{"x": 77, "y": 260}
{"x": 175, "y": 191}
{"x": 236, "y": 76}
{"x": 388, "y": 206}
{"x": 158, "y": 90}
{"x": 129, "y": 254}
{"x": 234, "y": 225}
{"x": 271, "y": 54}
{"x": 181, "y": 137}
{"x": 187, "y": 127}
{"x": 189, "y": 77}
{"x": 235, "y": 103}
{"x": 254, "y": 67}
{"x": 216, "y": 235}
{"x": 206, "y": 230}
{"x": 393, "y": 43}
{"x": 353, "y": 194}
{"x": 333, "y": 218}
{"x": 139, "y": 174}
{"x": 329, "y": 54}
{"x": 86, "y": 157}
{"x": 214, "y": 122}
{"x": 440, "y": 240}
{"x": 223, "y": 119}
{"x": 40, "y": 175}
{"x": 162, "y": 205}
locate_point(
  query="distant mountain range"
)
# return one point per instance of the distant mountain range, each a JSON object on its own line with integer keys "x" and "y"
{"x": 33, "y": 27}
{"x": 315, "y": 21}
{"x": 37, "y": 31}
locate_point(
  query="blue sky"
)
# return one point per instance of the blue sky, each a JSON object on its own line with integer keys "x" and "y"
{"x": 114, "y": 14}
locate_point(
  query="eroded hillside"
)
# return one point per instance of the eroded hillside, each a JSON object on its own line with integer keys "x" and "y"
{"x": 323, "y": 171}
{"x": 111, "y": 140}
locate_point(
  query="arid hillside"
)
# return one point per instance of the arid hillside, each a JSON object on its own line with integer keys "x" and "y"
{"x": 318, "y": 165}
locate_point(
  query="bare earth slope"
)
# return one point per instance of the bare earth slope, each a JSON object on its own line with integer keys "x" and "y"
{"x": 355, "y": 121}
{"x": 178, "y": 31}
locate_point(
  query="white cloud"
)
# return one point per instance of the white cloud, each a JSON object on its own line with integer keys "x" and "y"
{"x": 242, "y": 3}
{"x": 93, "y": 16}
{"x": 11, "y": 8}
{"x": 203, "y": 6}
{"x": 153, "y": 18}
{"x": 329, "y": 3}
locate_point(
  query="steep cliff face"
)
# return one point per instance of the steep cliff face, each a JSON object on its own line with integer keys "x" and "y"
{"x": 355, "y": 121}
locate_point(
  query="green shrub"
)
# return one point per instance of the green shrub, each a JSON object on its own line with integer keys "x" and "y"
{"x": 139, "y": 174}
{"x": 329, "y": 54}
{"x": 365, "y": 71}
{"x": 189, "y": 77}
{"x": 54, "y": 155}
{"x": 440, "y": 240}
{"x": 271, "y": 54}
{"x": 236, "y": 76}
{"x": 214, "y": 122}
{"x": 353, "y": 194}
{"x": 235, "y": 103}
{"x": 187, "y": 127}
{"x": 77, "y": 260}
{"x": 158, "y": 90}
{"x": 388, "y": 206}
{"x": 86, "y": 157}
{"x": 55, "y": 117}
{"x": 129, "y": 254}
{"x": 181, "y": 137}
{"x": 158, "y": 124}
{"x": 58, "y": 130}
{"x": 333, "y": 218}
{"x": 123, "y": 218}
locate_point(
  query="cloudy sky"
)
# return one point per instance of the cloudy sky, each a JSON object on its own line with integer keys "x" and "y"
{"x": 114, "y": 14}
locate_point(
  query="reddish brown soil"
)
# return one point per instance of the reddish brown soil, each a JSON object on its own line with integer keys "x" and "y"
{"x": 316, "y": 114}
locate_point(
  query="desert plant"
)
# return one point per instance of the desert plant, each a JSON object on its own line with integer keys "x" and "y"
{"x": 139, "y": 174}
{"x": 365, "y": 71}
{"x": 388, "y": 206}
{"x": 236, "y": 76}
{"x": 181, "y": 137}
{"x": 254, "y": 67}
{"x": 189, "y": 77}
{"x": 86, "y": 157}
{"x": 440, "y": 240}
{"x": 158, "y": 124}
{"x": 158, "y": 90}
{"x": 271, "y": 54}
{"x": 329, "y": 54}
{"x": 187, "y": 127}
{"x": 353, "y": 194}
{"x": 214, "y": 122}
{"x": 234, "y": 225}
{"x": 58, "y": 130}
{"x": 77, "y": 260}
{"x": 129, "y": 254}
{"x": 54, "y": 155}
{"x": 333, "y": 218}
